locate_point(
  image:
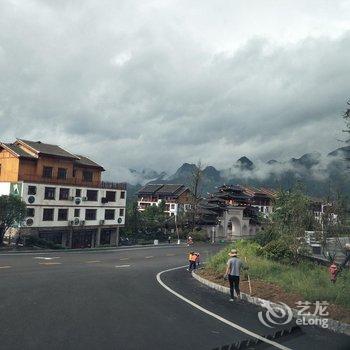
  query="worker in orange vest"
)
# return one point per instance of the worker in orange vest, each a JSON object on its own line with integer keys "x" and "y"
{"x": 192, "y": 257}
{"x": 333, "y": 271}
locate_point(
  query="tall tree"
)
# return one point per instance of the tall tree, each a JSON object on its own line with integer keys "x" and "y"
{"x": 12, "y": 211}
{"x": 196, "y": 192}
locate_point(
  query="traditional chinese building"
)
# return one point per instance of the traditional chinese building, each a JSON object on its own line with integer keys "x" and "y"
{"x": 233, "y": 211}
{"x": 176, "y": 197}
{"x": 67, "y": 201}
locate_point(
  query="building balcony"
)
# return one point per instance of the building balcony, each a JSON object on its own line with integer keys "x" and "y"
{"x": 74, "y": 182}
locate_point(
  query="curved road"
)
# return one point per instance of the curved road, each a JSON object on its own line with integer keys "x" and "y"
{"x": 112, "y": 300}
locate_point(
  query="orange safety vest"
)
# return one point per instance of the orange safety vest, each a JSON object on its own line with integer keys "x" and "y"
{"x": 192, "y": 257}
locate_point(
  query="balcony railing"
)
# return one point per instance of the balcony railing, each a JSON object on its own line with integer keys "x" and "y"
{"x": 74, "y": 182}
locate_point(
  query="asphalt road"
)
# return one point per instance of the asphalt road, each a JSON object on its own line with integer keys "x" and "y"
{"x": 112, "y": 300}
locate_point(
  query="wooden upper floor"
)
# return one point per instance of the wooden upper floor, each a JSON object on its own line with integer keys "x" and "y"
{"x": 45, "y": 163}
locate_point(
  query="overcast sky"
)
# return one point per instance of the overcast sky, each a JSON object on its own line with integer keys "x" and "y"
{"x": 137, "y": 84}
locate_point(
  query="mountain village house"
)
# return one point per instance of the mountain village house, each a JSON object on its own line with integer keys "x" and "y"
{"x": 176, "y": 197}
{"x": 67, "y": 202}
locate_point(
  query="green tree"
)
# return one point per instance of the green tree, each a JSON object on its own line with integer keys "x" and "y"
{"x": 153, "y": 219}
{"x": 196, "y": 193}
{"x": 12, "y": 211}
{"x": 292, "y": 216}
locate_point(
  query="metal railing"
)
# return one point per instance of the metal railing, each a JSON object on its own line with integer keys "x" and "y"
{"x": 73, "y": 182}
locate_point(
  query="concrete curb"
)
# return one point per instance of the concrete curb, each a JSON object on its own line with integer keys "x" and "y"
{"x": 333, "y": 325}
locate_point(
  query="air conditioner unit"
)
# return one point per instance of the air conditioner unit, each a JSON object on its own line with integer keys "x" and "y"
{"x": 84, "y": 199}
{"x": 71, "y": 198}
{"x": 70, "y": 222}
{"x": 31, "y": 199}
{"x": 77, "y": 200}
{"x": 28, "y": 222}
{"x": 102, "y": 222}
{"x": 76, "y": 221}
{"x": 120, "y": 220}
{"x": 104, "y": 200}
{"x": 82, "y": 223}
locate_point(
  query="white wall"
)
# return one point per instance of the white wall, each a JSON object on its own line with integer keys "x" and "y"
{"x": 40, "y": 203}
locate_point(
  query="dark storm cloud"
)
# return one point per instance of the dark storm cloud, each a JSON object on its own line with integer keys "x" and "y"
{"x": 133, "y": 86}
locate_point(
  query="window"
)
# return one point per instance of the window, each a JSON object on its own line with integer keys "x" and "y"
{"x": 90, "y": 214}
{"x": 109, "y": 214}
{"x": 64, "y": 193}
{"x": 87, "y": 176}
{"x": 62, "y": 214}
{"x": 121, "y": 212}
{"x": 76, "y": 213}
{"x": 30, "y": 212}
{"x": 110, "y": 195}
{"x": 62, "y": 173}
{"x": 50, "y": 192}
{"x": 48, "y": 214}
{"x": 74, "y": 172}
{"x": 32, "y": 190}
{"x": 47, "y": 172}
{"x": 172, "y": 206}
{"x": 78, "y": 192}
{"x": 122, "y": 194}
{"x": 91, "y": 195}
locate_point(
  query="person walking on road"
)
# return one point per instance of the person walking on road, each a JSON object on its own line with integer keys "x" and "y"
{"x": 169, "y": 240}
{"x": 233, "y": 269}
{"x": 192, "y": 258}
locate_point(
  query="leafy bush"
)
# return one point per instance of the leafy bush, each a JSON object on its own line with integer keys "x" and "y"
{"x": 266, "y": 236}
{"x": 32, "y": 241}
{"x": 278, "y": 250}
{"x": 199, "y": 236}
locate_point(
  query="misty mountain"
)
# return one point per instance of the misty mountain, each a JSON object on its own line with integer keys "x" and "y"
{"x": 320, "y": 174}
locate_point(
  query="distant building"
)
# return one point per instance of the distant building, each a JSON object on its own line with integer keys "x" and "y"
{"x": 176, "y": 197}
{"x": 233, "y": 211}
{"x": 67, "y": 202}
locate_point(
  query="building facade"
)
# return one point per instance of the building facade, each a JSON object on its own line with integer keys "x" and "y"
{"x": 233, "y": 211}
{"x": 67, "y": 202}
{"x": 176, "y": 197}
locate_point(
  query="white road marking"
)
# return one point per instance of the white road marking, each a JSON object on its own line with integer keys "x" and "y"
{"x": 124, "y": 258}
{"x": 46, "y": 258}
{"x": 5, "y": 267}
{"x": 50, "y": 263}
{"x": 92, "y": 261}
{"x": 149, "y": 257}
{"x": 221, "y": 319}
{"x": 116, "y": 250}
{"x": 122, "y": 265}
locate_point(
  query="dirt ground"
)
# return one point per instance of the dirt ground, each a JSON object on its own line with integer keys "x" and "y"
{"x": 276, "y": 294}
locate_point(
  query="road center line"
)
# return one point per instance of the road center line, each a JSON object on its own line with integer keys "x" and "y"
{"x": 122, "y": 266}
{"x": 92, "y": 261}
{"x": 50, "y": 263}
{"x": 149, "y": 257}
{"x": 124, "y": 258}
{"x": 5, "y": 267}
{"x": 221, "y": 319}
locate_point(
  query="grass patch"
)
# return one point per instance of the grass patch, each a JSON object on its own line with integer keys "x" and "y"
{"x": 309, "y": 280}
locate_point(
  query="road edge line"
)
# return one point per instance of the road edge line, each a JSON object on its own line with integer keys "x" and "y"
{"x": 219, "y": 318}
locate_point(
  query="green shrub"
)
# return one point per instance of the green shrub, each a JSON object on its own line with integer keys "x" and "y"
{"x": 199, "y": 236}
{"x": 278, "y": 250}
{"x": 32, "y": 241}
{"x": 266, "y": 236}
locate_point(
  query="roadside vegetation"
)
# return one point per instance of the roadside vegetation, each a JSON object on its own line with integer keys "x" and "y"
{"x": 308, "y": 279}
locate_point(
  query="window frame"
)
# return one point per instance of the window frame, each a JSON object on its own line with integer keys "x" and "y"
{"x": 90, "y": 211}
{"x": 95, "y": 196}
{"x": 45, "y": 193}
{"x": 30, "y": 192}
{"x": 59, "y": 172}
{"x": 32, "y": 215}
{"x": 64, "y": 218}
{"x": 52, "y": 210}
{"x": 45, "y": 175}
{"x": 110, "y": 211}
{"x": 61, "y": 190}
{"x": 90, "y": 176}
